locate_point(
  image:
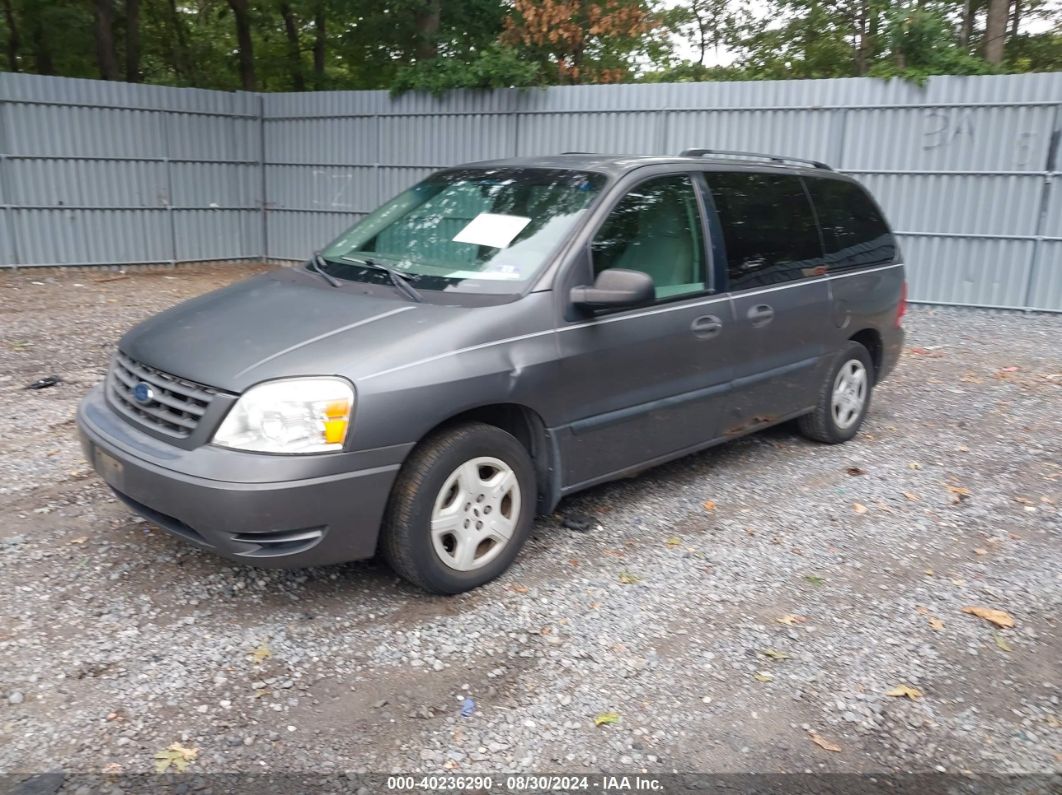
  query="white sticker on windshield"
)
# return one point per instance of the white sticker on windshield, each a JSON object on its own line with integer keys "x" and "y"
{"x": 492, "y": 229}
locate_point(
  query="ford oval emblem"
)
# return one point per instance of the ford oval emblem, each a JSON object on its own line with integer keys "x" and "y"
{"x": 143, "y": 393}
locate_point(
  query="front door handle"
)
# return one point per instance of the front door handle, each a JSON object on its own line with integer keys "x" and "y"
{"x": 706, "y": 326}
{"x": 761, "y": 314}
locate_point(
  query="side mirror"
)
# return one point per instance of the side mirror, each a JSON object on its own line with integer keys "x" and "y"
{"x": 616, "y": 287}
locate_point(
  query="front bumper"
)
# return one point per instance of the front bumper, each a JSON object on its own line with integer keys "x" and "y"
{"x": 265, "y": 510}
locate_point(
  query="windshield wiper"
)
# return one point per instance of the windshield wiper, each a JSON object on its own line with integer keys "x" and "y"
{"x": 400, "y": 280}
{"x": 316, "y": 261}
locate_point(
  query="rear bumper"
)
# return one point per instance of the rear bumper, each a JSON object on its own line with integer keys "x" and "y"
{"x": 892, "y": 346}
{"x": 269, "y": 511}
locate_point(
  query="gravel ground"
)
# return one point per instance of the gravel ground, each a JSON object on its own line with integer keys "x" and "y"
{"x": 745, "y": 609}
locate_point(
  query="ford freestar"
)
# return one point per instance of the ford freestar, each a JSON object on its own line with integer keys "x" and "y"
{"x": 498, "y": 336}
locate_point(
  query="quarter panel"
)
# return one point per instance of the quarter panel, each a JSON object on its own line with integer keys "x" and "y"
{"x": 867, "y": 299}
{"x": 517, "y": 363}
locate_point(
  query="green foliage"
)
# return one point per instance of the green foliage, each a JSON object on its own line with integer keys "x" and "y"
{"x": 1041, "y": 52}
{"x": 438, "y": 45}
{"x": 496, "y": 66}
{"x": 922, "y": 44}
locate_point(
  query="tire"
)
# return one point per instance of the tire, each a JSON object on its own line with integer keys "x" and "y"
{"x": 489, "y": 483}
{"x": 829, "y": 422}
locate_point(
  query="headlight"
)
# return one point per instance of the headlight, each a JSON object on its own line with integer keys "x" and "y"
{"x": 297, "y": 415}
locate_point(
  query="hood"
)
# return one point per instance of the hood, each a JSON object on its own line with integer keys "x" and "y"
{"x": 287, "y": 323}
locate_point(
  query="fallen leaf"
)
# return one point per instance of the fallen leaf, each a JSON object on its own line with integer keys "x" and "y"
{"x": 814, "y": 579}
{"x": 709, "y": 505}
{"x": 674, "y": 541}
{"x": 774, "y": 654}
{"x": 928, "y": 572}
{"x": 519, "y": 588}
{"x": 607, "y": 719}
{"x": 900, "y": 691}
{"x": 1011, "y": 369}
{"x": 912, "y": 497}
{"x": 112, "y": 769}
{"x": 823, "y": 743}
{"x": 959, "y": 581}
{"x": 914, "y": 465}
{"x": 78, "y": 540}
{"x": 997, "y": 617}
{"x": 627, "y": 578}
{"x": 763, "y": 676}
{"x": 262, "y": 652}
{"x": 980, "y": 551}
{"x": 855, "y": 471}
{"x": 789, "y": 619}
{"x": 1002, "y": 644}
{"x": 959, "y": 493}
{"x": 936, "y": 624}
{"x": 859, "y": 507}
{"x": 176, "y": 756}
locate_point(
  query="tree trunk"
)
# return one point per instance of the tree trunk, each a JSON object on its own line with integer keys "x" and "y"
{"x": 862, "y": 43}
{"x": 427, "y": 17}
{"x": 181, "y": 63}
{"x": 42, "y": 53}
{"x": 105, "y": 40}
{"x": 291, "y": 31}
{"x": 1015, "y": 19}
{"x": 241, "y": 11}
{"x": 996, "y": 30}
{"x": 12, "y": 36}
{"x": 319, "y": 46}
{"x": 966, "y": 30}
{"x": 132, "y": 41}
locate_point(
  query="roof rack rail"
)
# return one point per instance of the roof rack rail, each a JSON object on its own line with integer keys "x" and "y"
{"x": 578, "y": 153}
{"x": 773, "y": 158}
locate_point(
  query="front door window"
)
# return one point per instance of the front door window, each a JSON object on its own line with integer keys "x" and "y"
{"x": 656, "y": 229}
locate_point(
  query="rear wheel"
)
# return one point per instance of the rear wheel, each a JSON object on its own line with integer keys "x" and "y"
{"x": 460, "y": 510}
{"x": 844, "y": 398}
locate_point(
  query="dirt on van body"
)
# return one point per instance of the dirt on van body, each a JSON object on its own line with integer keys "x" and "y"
{"x": 772, "y": 605}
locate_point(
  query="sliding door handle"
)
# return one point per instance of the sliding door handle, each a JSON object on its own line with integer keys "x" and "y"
{"x": 761, "y": 314}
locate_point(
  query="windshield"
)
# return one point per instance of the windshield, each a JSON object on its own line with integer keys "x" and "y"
{"x": 472, "y": 230}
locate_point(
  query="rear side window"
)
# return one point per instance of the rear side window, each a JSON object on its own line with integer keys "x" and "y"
{"x": 853, "y": 231}
{"x": 768, "y": 228}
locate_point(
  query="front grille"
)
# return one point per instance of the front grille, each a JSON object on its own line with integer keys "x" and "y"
{"x": 176, "y": 406}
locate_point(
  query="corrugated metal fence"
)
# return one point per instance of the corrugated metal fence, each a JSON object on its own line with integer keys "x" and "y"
{"x": 97, "y": 172}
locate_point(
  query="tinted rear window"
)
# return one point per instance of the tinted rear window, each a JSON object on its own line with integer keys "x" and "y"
{"x": 768, "y": 228}
{"x": 853, "y": 231}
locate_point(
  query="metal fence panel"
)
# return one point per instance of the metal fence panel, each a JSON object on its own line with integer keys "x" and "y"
{"x": 94, "y": 172}
{"x": 959, "y": 203}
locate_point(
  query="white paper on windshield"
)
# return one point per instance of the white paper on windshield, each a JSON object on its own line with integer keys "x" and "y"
{"x": 492, "y": 229}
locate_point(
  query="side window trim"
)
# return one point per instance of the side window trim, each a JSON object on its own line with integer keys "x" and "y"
{"x": 713, "y": 238}
{"x": 707, "y": 284}
{"x": 815, "y": 215}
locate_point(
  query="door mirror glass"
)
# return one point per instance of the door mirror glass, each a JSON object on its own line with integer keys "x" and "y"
{"x": 616, "y": 287}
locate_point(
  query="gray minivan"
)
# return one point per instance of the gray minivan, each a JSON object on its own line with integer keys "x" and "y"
{"x": 496, "y": 337}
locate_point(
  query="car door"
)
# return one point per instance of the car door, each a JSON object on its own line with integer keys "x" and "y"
{"x": 644, "y": 382}
{"x": 778, "y": 293}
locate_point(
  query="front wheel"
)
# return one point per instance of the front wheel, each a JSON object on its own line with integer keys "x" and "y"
{"x": 461, "y": 509}
{"x": 844, "y": 398}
